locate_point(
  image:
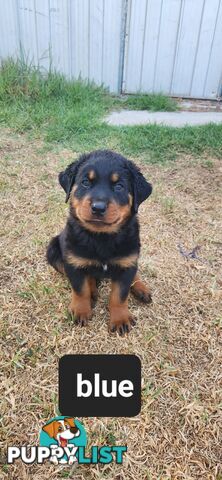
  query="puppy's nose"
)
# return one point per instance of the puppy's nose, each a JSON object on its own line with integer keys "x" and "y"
{"x": 74, "y": 429}
{"x": 98, "y": 207}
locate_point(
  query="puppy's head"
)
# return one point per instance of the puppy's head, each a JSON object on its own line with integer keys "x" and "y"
{"x": 105, "y": 189}
{"x": 62, "y": 430}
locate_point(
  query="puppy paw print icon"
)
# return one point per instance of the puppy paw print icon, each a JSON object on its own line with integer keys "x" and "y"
{"x": 63, "y": 436}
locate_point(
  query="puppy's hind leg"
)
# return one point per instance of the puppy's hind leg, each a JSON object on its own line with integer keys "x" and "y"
{"x": 140, "y": 290}
{"x": 54, "y": 255}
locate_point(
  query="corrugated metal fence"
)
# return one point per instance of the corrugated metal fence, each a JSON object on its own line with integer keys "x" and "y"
{"x": 169, "y": 46}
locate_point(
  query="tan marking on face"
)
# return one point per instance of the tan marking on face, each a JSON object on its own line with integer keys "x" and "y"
{"x": 130, "y": 199}
{"x": 92, "y": 175}
{"x": 112, "y": 220}
{"x": 73, "y": 189}
{"x": 114, "y": 217}
{"x": 125, "y": 211}
{"x": 115, "y": 177}
{"x": 126, "y": 262}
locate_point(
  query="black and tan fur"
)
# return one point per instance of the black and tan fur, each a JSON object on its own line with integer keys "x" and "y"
{"x": 101, "y": 237}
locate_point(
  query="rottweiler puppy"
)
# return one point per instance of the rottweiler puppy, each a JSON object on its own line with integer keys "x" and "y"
{"x": 101, "y": 237}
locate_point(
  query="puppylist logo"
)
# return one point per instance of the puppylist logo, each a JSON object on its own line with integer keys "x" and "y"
{"x": 63, "y": 441}
{"x": 101, "y": 386}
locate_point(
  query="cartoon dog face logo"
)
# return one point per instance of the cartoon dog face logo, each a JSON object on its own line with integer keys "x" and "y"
{"x": 63, "y": 435}
{"x": 62, "y": 431}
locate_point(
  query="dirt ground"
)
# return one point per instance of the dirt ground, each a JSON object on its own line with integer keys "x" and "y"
{"x": 177, "y": 337}
{"x": 196, "y": 105}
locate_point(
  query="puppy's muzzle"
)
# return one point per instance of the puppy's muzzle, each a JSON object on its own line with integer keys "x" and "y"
{"x": 99, "y": 207}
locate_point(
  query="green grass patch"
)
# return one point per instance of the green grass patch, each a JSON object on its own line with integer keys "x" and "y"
{"x": 71, "y": 113}
{"x": 155, "y": 103}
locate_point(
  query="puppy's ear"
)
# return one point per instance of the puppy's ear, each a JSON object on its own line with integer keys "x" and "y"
{"x": 49, "y": 428}
{"x": 140, "y": 187}
{"x": 66, "y": 181}
{"x": 67, "y": 178}
{"x": 72, "y": 425}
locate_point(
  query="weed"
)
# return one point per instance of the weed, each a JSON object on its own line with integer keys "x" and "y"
{"x": 155, "y": 103}
{"x": 167, "y": 204}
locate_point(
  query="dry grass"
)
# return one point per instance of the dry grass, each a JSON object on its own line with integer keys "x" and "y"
{"x": 177, "y": 434}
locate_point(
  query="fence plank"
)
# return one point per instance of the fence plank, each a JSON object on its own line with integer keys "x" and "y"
{"x": 113, "y": 10}
{"x": 28, "y": 31}
{"x": 166, "y": 48}
{"x": 213, "y": 84}
{"x": 43, "y": 34}
{"x": 96, "y": 18}
{"x": 187, "y": 46}
{"x": 151, "y": 39}
{"x": 134, "y": 53}
{"x": 59, "y": 35}
{"x": 9, "y": 28}
{"x": 204, "y": 47}
{"x": 80, "y": 38}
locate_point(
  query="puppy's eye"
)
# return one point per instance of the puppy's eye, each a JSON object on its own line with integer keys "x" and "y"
{"x": 86, "y": 183}
{"x": 67, "y": 427}
{"x": 118, "y": 187}
{"x": 60, "y": 429}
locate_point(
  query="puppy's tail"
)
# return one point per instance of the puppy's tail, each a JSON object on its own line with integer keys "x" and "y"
{"x": 54, "y": 255}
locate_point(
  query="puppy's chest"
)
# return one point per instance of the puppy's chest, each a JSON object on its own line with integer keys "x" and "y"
{"x": 103, "y": 258}
{"x": 104, "y": 252}
{"x": 102, "y": 269}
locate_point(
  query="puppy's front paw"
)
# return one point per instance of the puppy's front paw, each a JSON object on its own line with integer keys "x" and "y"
{"x": 121, "y": 322}
{"x": 81, "y": 317}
